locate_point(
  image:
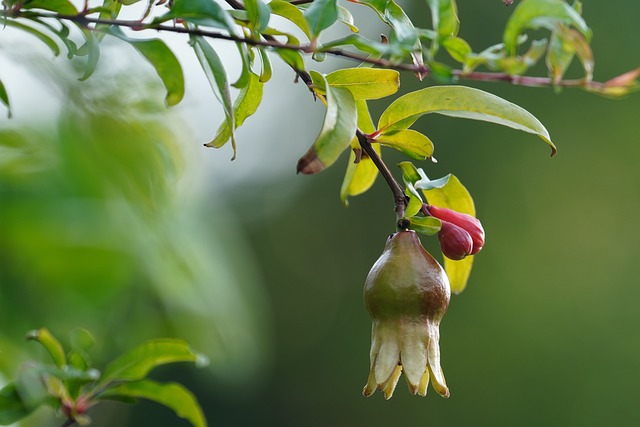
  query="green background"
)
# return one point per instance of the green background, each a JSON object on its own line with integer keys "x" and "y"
{"x": 265, "y": 273}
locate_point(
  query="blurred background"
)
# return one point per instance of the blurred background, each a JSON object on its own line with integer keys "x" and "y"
{"x": 114, "y": 218}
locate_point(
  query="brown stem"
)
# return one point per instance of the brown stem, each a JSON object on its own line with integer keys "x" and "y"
{"x": 399, "y": 198}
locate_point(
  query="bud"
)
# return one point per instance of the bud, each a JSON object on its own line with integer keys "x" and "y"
{"x": 455, "y": 243}
{"x": 468, "y": 223}
{"x": 406, "y": 294}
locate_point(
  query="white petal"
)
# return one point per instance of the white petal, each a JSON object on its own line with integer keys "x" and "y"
{"x": 414, "y": 361}
{"x": 387, "y": 360}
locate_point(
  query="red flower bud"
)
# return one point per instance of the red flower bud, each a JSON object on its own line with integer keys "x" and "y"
{"x": 455, "y": 242}
{"x": 468, "y": 223}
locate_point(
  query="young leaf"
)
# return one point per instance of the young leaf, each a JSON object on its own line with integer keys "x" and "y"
{"x": 360, "y": 176}
{"x": 565, "y": 43}
{"x": 64, "y": 7}
{"x": 217, "y": 76}
{"x": 163, "y": 61}
{"x": 444, "y": 15}
{"x": 4, "y": 98}
{"x": 454, "y": 196}
{"x": 338, "y": 129}
{"x": 92, "y": 48}
{"x": 171, "y": 395}
{"x": 51, "y": 344}
{"x": 393, "y": 15}
{"x": 320, "y": 16}
{"x": 244, "y": 106}
{"x": 346, "y": 18}
{"x": 292, "y": 13}
{"x": 366, "y": 83}
{"x": 258, "y": 13}
{"x": 410, "y": 142}
{"x": 458, "y": 48}
{"x": 12, "y": 408}
{"x": 428, "y": 225}
{"x": 460, "y": 101}
{"x": 136, "y": 363}
{"x": 541, "y": 13}
{"x": 267, "y": 70}
{"x": 201, "y": 12}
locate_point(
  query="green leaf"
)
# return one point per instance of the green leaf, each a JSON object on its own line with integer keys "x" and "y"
{"x": 565, "y": 43}
{"x": 51, "y": 344}
{"x": 217, "y": 76}
{"x": 245, "y": 105}
{"x": 267, "y": 70}
{"x": 81, "y": 342}
{"x": 12, "y": 408}
{"x": 245, "y": 56}
{"x": 444, "y": 15}
{"x": 410, "y": 142}
{"x": 64, "y": 7}
{"x": 320, "y": 15}
{"x": 393, "y": 15}
{"x": 43, "y": 37}
{"x": 516, "y": 65}
{"x": 463, "y": 102}
{"x": 92, "y": 48}
{"x": 454, "y": 196}
{"x": 366, "y": 83}
{"x": 172, "y": 395}
{"x": 360, "y": 176}
{"x": 291, "y": 13}
{"x": 533, "y": 14}
{"x": 338, "y": 128}
{"x": 163, "y": 61}
{"x": 136, "y": 363}
{"x": 428, "y": 225}
{"x": 366, "y": 45}
{"x": 458, "y": 48}
{"x": 346, "y": 18}
{"x": 4, "y": 98}
{"x": 201, "y": 12}
{"x": 258, "y": 13}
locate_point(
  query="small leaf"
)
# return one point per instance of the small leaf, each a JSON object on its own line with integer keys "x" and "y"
{"x": 12, "y": 408}
{"x": 338, "y": 129}
{"x": 64, "y": 7}
{"x": 51, "y": 344}
{"x": 136, "y": 363}
{"x": 320, "y": 15}
{"x": 454, "y": 196}
{"x": 458, "y": 48}
{"x": 4, "y": 98}
{"x": 541, "y": 13}
{"x": 565, "y": 43}
{"x": 428, "y": 225}
{"x": 291, "y": 13}
{"x": 43, "y": 37}
{"x": 620, "y": 85}
{"x": 267, "y": 70}
{"x": 217, "y": 76}
{"x": 201, "y": 12}
{"x": 244, "y": 106}
{"x": 415, "y": 202}
{"x": 163, "y": 61}
{"x": 366, "y": 83}
{"x": 463, "y": 102}
{"x": 172, "y": 395}
{"x": 393, "y": 15}
{"x": 410, "y": 142}
{"x": 360, "y": 176}
{"x": 444, "y": 15}
{"x": 366, "y": 45}
{"x": 92, "y": 48}
{"x": 346, "y": 18}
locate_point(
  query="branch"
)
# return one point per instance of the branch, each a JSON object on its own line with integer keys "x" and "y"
{"x": 399, "y": 198}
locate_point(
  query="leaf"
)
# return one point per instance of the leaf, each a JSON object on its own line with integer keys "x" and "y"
{"x": 369, "y": 46}
{"x": 156, "y": 52}
{"x": 338, "y": 129}
{"x": 454, "y": 196}
{"x": 346, "y": 18}
{"x": 43, "y": 37}
{"x": 215, "y": 72}
{"x": 244, "y": 106}
{"x": 4, "y": 98}
{"x": 201, "y": 12}
{"x": 463, "y": 102}
{"x": 565, "y": 43}
{"x": 258, "y": 13}
{"x": 64, "y": 7}
{"x": 51, "y": 344}
{"x": 172, "y": 395}
{"x": 428, "y": 225}
{"x": 533, "y": 14}
{"x": 291, "y": 13}
{"x": 516, "y": 65}
{"x": 136, "y": 363}
{"x": 410, "y": 142}
{"x": 366, "y": 83}
{"x": 393, "y": 15}
{"x": 267, "y": 70}
{"x": 92, "y": 48}
{"x": 320, "y": 15}
{"x": 458, "y": 48}
{"x": 444, "y": 16}
{"x": 12, "y": 408}
{"x": 359, "y": 177}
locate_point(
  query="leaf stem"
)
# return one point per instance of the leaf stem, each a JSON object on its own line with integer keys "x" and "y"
{"x": 399, "y": 198}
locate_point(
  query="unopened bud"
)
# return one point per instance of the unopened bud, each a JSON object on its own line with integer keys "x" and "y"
{"x": 467, "y": 222}
{"x": 455, "y": 242}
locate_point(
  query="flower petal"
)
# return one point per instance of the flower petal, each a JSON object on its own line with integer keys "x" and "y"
{"x": 371, "y": 386}
{"x": 387, "y": 360}
{"x": 424, "y": 384}
{"x": 437, "y": 376}
{"x": 413, "y": 357}
{"x": 390, "y": 385}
